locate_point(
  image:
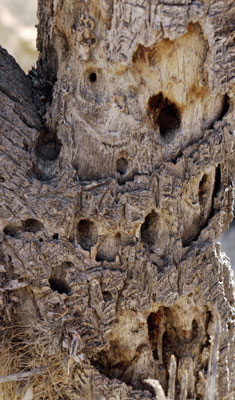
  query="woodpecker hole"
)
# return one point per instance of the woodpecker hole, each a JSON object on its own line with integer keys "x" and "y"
{"x": 60, "y": 285}
{"x": 155, "y": 331}
{"x": 92, "y": 77}
{"x": 149, "y": 229}
{"x": 122, "y": 165}
{"x": 107, "y": 296}
{"x": 48, "y": 146}
{"x": 29, "y": 225}
{"x": 164, "y": 114}
{"x": 86, "y": 234}
{"x": 32, "y": 225}
{"x": 12, "y": 229}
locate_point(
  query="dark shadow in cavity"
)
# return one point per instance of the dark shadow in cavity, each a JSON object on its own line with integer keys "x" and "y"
{"x": 92, "y": 77}
{"x": 121, "y": 166}
{"x": 32, "y": 225}
{"x": 37, "y": 173}
{"x": 217, "y": 180}
{"x": 217, "y": 186}
{"x": 107, "y": 296}
{"x": 154, "y": 330}
{"x": 164, "y": 114}
{"x": 60, "y": 285}
{"x": 223, "y": 112}
{"x": 86, "y": 234}
{"x": 149, "y": 229}
{"x": 29, "y": 225}
{"x": 12, "y": 229}
{"x": 225, "y": 107}
{"x": 48, "y": 146}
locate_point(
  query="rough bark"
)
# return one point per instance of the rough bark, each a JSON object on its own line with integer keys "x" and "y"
{"x": 116, "y": 174}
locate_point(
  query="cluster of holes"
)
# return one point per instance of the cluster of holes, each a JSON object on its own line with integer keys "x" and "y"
{"x": 29, "y": 225}
{"x": 166, "y": 336}
{"x": 164, "y": 114}
{"x": 86, "y": 234}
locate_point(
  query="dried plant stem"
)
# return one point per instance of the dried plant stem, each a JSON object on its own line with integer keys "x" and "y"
{"x": 21, "y": 375}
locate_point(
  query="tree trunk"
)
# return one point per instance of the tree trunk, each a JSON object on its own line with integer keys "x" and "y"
{"x": 117, "y": 160}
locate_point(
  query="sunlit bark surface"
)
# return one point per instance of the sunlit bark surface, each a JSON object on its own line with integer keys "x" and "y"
{"x": 116, "y": 178}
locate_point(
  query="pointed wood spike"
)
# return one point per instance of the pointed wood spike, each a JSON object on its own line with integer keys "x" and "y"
{"x": 171, "y": 381}
{"x": 213, "y": 363}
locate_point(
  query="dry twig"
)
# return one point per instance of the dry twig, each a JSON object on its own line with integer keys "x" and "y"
{"x": 21, "y": 375}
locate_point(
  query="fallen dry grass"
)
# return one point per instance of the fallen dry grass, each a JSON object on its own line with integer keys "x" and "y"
{"x": 26, "y": 348}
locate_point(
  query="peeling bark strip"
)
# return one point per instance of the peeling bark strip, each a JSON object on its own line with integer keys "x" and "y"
{"x": 116, "y": 176}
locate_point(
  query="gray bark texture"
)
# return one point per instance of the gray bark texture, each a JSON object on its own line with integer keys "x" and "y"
{"x": 116, "y": 178}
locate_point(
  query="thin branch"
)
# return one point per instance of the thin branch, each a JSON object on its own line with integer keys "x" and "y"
{"x": 21, "y": 375}
{"x": 229, "y": 396}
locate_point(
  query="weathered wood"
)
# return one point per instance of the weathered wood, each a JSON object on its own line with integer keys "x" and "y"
{"x": 116, "y": 174}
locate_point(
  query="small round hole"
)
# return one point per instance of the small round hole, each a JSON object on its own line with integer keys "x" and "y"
{"x": 122, "y": 165}
{"x": 92, "y": 77}
{"x": 55, "y": 236}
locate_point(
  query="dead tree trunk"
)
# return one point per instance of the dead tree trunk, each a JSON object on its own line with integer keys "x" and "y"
{"x": 117, "y": 159}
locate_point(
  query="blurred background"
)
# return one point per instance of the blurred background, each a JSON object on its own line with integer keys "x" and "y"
{"x": 18, "y": 36}
{"x": 18, "y": 32}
